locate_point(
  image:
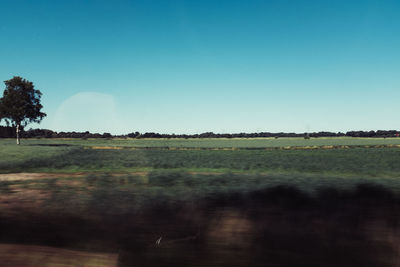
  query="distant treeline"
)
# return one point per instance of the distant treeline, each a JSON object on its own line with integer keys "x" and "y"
{"x": 9, "y": 132}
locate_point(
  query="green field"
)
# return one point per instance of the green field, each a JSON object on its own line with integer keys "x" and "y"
{"x": 243, "y": 164}
{"x": 209, "y": 199}
{"x": 369, "y": 161}
{"x": 214, "y": 142}
{"x": 359, "y": 157}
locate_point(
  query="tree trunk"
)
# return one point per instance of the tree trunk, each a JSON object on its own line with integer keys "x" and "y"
{"x": 18, "y": 134}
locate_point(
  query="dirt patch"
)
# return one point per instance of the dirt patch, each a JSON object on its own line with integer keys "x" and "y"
{"x": 12, "y": 255}
{"x": 381, "y": 232}
{"x": 23, "y": 199}
{"x": 107, "y": 147}
{"x": 22, "y": 176}
{"x": 229, "y": 227}
{"x": 70, "y": 182}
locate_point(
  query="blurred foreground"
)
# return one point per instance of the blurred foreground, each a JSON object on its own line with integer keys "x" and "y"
{"x": 180, "y": 220}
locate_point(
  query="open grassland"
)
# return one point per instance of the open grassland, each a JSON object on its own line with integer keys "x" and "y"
{"x": 242, "y": 202}
{"x": 79, "y": 156}
{"x": 210, "y": 142}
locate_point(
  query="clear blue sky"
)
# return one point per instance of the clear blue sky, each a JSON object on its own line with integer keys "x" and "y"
{"x": 196, "y": 66}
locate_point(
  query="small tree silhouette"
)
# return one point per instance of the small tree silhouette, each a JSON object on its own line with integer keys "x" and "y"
{"x": 20, "y": 104}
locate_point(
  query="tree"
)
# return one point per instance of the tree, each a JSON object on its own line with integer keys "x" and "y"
{"x": 20, "y": 104}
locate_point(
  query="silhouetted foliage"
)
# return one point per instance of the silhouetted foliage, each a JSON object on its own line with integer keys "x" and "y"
{"x": 20, "y": 104}
{"x": 8, "y": 132}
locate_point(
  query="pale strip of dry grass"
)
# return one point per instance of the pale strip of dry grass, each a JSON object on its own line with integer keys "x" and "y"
{"x": 22, "y": 176}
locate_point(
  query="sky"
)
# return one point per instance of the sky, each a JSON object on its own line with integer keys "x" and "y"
{"x": 225, "y": 66}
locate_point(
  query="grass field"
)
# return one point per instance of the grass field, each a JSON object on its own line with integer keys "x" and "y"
{"x": 213, "y": 142}
{"x": 100, "y": 156}
{"x": 268, "y": 202}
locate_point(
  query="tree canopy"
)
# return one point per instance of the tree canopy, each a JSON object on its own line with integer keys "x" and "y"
{"x": 20, "y": 104}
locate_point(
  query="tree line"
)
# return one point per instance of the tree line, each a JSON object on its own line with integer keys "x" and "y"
{"x": 9, "y": 132}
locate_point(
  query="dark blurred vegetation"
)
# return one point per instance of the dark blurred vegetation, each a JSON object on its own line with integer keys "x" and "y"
{"x": 207, "y": 220}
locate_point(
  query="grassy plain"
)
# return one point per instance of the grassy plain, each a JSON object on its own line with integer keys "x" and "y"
{"x": 370, "y": 156}
{"x": 269, "y": 202}
{"x": 212, "y": 142}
